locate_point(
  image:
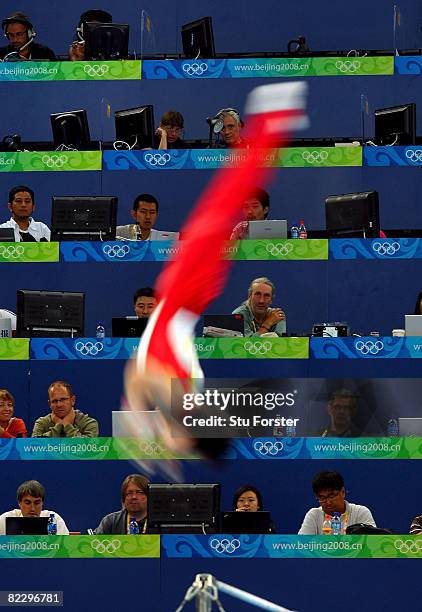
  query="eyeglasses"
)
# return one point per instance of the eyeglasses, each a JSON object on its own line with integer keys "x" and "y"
{"x": 59, "y": 400}
{"x": 172, "y": 128}
{"x": 324, "y": 498}
{"x": 13, "y": 35}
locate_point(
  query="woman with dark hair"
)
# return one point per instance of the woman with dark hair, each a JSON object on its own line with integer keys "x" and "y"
{"x": 247, "y": 499}
{"x": 418, "y": 305}
{"x": 10, "y": 426}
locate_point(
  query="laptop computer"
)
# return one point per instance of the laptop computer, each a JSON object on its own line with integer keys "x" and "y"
{"x": 223, "y": 326}
{"x": 410, "y": 426}
{"x": 267, "y": 228}
{"x": 26, "y": 525}
{"x": 128, "y": 327}
{"x": 162, "y": 235}
{"x": 131, "y": 423}
{"x": 413, "y": 325}
{"x": 7, "y": 234}
{"x": 246, "y": 522}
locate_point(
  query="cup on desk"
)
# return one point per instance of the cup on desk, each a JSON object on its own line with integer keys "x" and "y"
{"x": 398, "y": 333}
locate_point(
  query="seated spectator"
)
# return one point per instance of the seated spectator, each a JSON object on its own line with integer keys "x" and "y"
{"x": 30, "y": 496}
{"x": 247, "y": 499}
{"x": 145, "y": 213}
{"x": 144, "y": 302}
{"x": 258, "y": 317}
{"x": 418, "y": 305}
{"x": 19, "y": 31}
{"x": 169, "y": 131}
{"x": 10, "y": 426}
{"x": 21, "y": 204}
{"x": 134, "y": 508}
{"x": 254, "y": 209}
{"x": 328, "y": 488}
{"x": 77, "y": 49}
{"x": 230, "y": 135}
{"x": 64, "y": 421}
{"x": 416, "y": 526}
{"x": 342, "y": 408}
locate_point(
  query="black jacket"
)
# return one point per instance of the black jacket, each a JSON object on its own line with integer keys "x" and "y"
{"x": 38, "y": 52}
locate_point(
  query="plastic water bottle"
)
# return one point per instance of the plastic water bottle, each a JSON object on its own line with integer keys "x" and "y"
{"x": 336, "y": 524}
{"x": 393, "y": 427}
{"x": 303, "y": 232}
{"x": 133, "y": 526}
{"x": 100, "y": 330}
{"x": 294, "y": 231}
{"x": 52, "y": 525}
{"x": 326, "y": 525}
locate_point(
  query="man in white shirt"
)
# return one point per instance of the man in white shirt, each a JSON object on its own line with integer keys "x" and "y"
{"x": 22, "y": 204}
{"x": 30, "y": 496}
{"x": 145, "y": 213}
{"x": 328, "y": 488}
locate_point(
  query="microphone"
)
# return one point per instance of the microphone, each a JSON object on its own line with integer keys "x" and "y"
{"x": 30, "y": 41}
{"x": 216, "y": 123}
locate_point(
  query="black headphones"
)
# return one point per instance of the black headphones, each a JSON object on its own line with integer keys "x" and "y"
{"x": 234, "y": 112}
{"x": 92, "y": 15}
{"x": 19, "y": 18}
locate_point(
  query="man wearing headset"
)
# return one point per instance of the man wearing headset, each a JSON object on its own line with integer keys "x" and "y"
{"x": 229, "y": 134}
{"x": 77, "y": 49}
{"x": 19, "y": 31}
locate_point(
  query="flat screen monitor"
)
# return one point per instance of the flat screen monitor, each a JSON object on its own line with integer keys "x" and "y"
{"x": 46, "y": 314}
{"x": 128, "y": 327}
{"x": 353, "y": 215}
{"x": 183, "y": 507}
{"x": 246, "y": 522}
{"x": 83, "y": 218}
{"x": 106, "y": 41}
{"x": 7, "y": 234}
{"x": 70, "y": 128}
{"x": 198, "y": 38}
{"x": 26, "y": 525}
{"x": 396, "y": 125}
{"x": 135, "y": 126}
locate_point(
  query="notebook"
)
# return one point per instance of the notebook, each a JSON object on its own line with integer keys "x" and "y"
{"x": 128, "y": 327}
{"x": 26, "y": 525}
{"x": 246, "y": 522}
{"x": 268, "y": 228}
{"x": 413, "y": 325}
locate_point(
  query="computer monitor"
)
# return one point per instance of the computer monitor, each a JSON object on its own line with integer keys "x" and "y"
{"x": 106, "y": 41}
{"x": 198, "y": 38}
{"x": 396, "y": 125}
{"x": 135, "y": 126}
{"x": 7, "y": 234}
{"x": 26, "y": 525}
{"x": 353, "y": 215}
{"x": 70, "y": 128}
{"x": 83, "y": 218}
{"x": 46, "y": 314}
{"x": 183, "y": 508}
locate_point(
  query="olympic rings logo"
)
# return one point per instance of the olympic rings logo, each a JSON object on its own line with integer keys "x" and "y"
{"x": 279, "y": 249}
{"x": 96, "y": 70}
{"x": 54, "y": 161}
{"x": 315, "y": 157}
{"x": 369, "y": 347}
{"x": 414, "y": 155}
{"x": 268, "y": 447}
{"x": 386, "y": 248}
{"x": 157, "y": 159}
{"x": 89, "y": 348}
{"x": 225, "y": 545}
{"x": 150, "y": 448}
{"x": 117, "y": 250}
{"x": 11, "y": 252}
{"x": 195, "y": 69}
{"x": 105, "y": 546}
{"x": 348, "y": 65}
{"x": 408, "y": 546}
{"x": 257, "y": 347}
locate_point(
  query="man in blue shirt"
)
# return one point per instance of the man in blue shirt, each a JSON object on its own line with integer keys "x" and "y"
{"x": 258, "y": 316}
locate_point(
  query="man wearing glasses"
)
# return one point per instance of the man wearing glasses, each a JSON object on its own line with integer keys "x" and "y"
{"x": 328, "y": 488}
{"x": 169, "y": 131}
{"x": 64, "y": 421}
{"x": 19, "y": 31}
{"x": 132, "y": 518}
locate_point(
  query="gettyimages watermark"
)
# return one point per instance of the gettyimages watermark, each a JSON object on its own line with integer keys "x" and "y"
{"x": 229, "y": 409}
